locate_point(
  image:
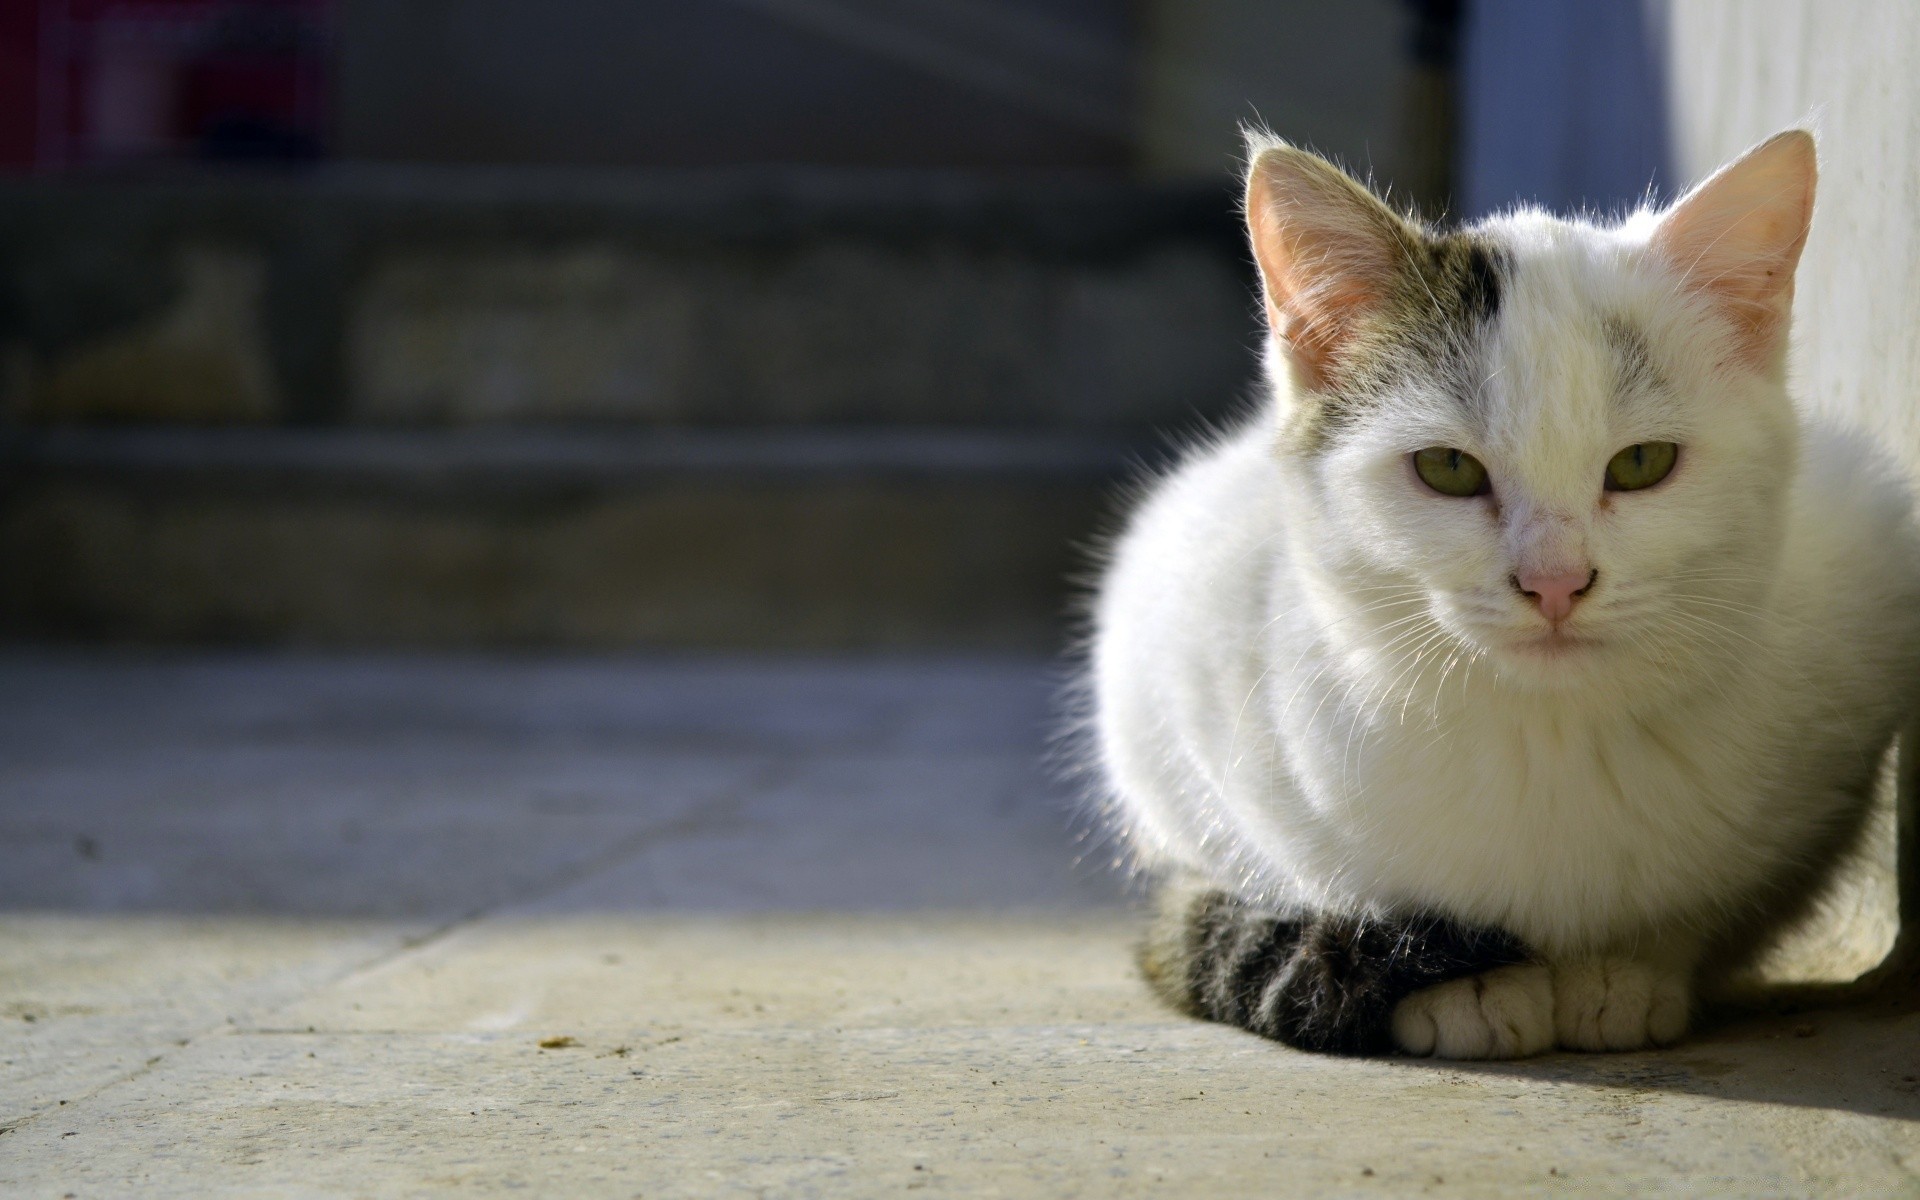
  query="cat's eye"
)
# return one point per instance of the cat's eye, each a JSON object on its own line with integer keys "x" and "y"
{"x": 1641, "y": 465}
{"x": 1451, "y": 472}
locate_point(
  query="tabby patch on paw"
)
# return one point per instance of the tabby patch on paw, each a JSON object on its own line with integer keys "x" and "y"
{"x": 1507, "y": 1013}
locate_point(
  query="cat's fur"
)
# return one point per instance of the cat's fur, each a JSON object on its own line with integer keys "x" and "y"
{"x": 1386, "y": 799}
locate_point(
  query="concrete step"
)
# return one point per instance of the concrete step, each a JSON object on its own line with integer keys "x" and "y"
{"x": 803, "y": 539}
{"x": 445, "y": 296}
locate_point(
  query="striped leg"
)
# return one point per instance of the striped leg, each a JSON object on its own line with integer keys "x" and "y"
{"x": 1317, "y": 981}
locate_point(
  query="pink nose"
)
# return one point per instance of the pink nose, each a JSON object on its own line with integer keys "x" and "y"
{"x": 1555, "y": 593}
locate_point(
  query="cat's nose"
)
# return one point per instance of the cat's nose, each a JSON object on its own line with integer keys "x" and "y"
{"x": 1555, "y": 593}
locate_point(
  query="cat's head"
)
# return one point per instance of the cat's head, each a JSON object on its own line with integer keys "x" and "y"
{"x": 1568, "y": 444}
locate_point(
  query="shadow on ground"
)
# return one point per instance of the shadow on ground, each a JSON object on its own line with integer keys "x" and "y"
{"x": 1847, "y": 1059}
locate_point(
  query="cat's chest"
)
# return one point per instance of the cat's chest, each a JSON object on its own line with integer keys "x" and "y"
{"x": 1559, "y": 772}
{"x": 1518, "y": 814}
{"x": 1524, "y": 760}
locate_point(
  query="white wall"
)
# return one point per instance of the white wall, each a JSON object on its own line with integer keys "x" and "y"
{"x": 1742, "y": 69}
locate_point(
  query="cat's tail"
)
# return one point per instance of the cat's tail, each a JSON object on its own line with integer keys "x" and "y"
{"x": 1321, "y": 981}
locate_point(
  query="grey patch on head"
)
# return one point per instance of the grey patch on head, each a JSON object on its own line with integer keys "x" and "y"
{"x": 1463, "y": 273}
{"x": 1452, "y": 289}
{"x": 1632, "y": 357}
{"x": 1467, "y": 278}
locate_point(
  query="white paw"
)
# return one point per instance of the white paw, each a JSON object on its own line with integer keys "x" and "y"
{"x": 1618, "y": 1004}
{"x": 1504, "y": 1013}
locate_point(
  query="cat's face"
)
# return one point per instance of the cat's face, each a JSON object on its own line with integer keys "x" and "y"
{"x": 1556, "y": 444}
{"x": 1582, "y": 480}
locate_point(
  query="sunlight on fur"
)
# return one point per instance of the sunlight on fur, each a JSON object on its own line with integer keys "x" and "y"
{"x": 1518, "y": 674}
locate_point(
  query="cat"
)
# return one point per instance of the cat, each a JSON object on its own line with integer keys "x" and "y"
{"x": 1525, "y": 662}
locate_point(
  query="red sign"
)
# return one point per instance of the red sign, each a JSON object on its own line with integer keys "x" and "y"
{"x": 117, "y": 81}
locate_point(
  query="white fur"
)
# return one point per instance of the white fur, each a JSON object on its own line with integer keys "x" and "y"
{"x": 1505, "y": 1013}
{"x": 1309, "y": 683}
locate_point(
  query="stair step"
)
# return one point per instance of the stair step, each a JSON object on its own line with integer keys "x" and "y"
{"x": 432, "y": 297}
{"x": 532, "y": 457}
{"x": 811, "y": 539}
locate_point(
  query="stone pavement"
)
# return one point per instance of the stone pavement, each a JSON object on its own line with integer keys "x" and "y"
{"x": 295, "y": 926}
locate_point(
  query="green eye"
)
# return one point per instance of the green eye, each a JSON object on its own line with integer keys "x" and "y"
{"x": 1640, "y": 465}
{"x": 1450, "y": 472}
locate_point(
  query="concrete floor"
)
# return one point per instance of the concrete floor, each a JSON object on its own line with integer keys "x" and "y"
{"x": 293, "y": 926}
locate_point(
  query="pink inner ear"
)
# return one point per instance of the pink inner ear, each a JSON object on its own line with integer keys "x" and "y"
{"x": 1737, "y": 239}
{"x": 1326, "y": 251}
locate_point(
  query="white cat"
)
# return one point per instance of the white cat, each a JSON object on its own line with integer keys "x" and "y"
{"x": 1527, "y": 661}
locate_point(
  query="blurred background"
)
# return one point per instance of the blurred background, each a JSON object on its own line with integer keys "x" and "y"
{"x": 748, "y": 324}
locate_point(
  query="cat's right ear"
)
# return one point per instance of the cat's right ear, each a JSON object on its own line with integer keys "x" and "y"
{"x": 1331, "y": 256}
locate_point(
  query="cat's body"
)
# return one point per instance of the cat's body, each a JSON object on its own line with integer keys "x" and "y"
{"x": 1321, "y": 688}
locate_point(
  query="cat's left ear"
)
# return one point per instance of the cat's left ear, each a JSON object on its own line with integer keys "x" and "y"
{"x": 1736, "y": 239}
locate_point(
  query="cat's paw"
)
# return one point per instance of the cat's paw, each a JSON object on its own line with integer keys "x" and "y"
{"x": 1618, "y": 1004}
{"x": 1504, "y": 1013}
